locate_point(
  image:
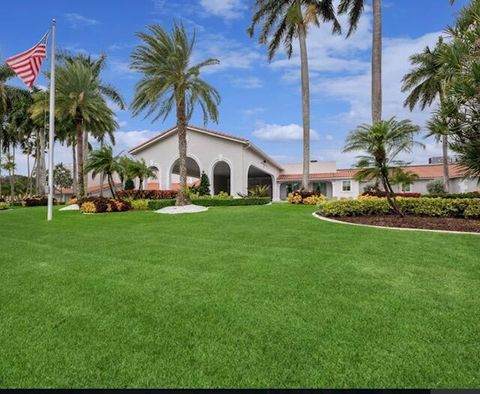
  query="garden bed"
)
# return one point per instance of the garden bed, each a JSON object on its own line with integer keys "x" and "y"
{"x": 416, "y": 222}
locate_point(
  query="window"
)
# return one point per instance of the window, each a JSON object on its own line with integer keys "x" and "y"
{"x": 406, "y": 188}
{"x": 346, "y": 186}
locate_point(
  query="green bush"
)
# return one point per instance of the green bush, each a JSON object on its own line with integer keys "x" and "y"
{"x": 4, "y": 205}
{"x": 153, "y": 205}
{"x": 233, "y": 202}
{"x": 436, "y": 187}
{"x": 139, "y": 205}
{"x": 423, "y": 206}
{"x": 458, "y": 195}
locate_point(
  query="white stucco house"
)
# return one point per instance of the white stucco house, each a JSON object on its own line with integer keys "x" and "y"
{"x": 234, "y": 165}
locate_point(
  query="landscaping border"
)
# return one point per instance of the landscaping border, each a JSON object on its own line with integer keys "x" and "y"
{"x": 325, "y": 219}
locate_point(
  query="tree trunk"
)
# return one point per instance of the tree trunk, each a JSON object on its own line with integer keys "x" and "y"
{"x": 102, "y": 175}
{"x": 34, "y": 166}
{"x": 182, "y": 197}
{"x": 1, "y": 147}
{"x": 12, "y": 174}
{"x": 85, "y": 158}
{"x": 79, "y": 137}
{"x": 302, "y": 36}
{"x": 74, "y": 174}
{"x": 29, "y": 184}
{"x": 110, "y": 185}
{"x": 41, "y": 166}
{"x": 446, "y": 176}
{"x": 377, "y": 62}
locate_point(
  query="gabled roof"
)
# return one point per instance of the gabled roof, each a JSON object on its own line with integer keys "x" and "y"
{"x": 205, "y": 131}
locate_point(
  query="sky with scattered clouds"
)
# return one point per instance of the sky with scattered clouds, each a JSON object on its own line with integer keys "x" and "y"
{"x": 260, "y": 100}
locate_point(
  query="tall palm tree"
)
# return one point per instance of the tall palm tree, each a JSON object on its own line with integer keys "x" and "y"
{"x": 5, "y": 74}
{"x": 170, "y": 81}
{"x": 102, "y": 161}
{"x": 355, "y": 9}
{"x": 426, "y": 82}
{"x": 107, "y": 91}
{"x": 281, "y": 22}
{"x": 381, "y": 143}
{"x": 79, "y": 100}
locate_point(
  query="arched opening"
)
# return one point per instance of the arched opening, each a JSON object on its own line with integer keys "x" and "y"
{"x": 153, "y": 183}
{"x": 257, "y": 177}
{"x": 193, "y": 174}
{"x": 221, "y": 178}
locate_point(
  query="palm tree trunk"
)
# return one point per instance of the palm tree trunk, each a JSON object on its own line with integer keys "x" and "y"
{"x": 34, "y": 166}
{"x": 182, "y": 198}
{"x": 29, "y": 184}
{"x": 42, "y": 176}
{"x": 446, "y": 176}
{"x": 1, "y": 147}
{"x": 12, "y": 174}
{"x": 75, "y": 177}
{"x": 102, "y": 175}
{"x": 110, "y": 185}
{"x": 377, "y": 62}
{"x": 85, "y": 156}
{"x": 79, "y": 135}
{"x": 302, "y": 36}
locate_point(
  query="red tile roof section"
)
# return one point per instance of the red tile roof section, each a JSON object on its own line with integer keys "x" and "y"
{"x": 427, "y": 171}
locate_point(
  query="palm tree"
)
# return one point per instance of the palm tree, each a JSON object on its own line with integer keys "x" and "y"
{"x": 78, "y": 99}
{"x": 9, "y": 165}
{"x": 426, "y": 82}
{"x": 5, "y": 74}
{"x": 355, "y": 9}
{"x": 282, "y": 21}
{"x": 382, "y": 142}
{"x": 141, "y": 171}
{"x": 170, "y": 81}
{"x": 102, "y": 161}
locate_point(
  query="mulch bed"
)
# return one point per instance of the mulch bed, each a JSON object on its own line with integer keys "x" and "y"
{"x": 421, "y": 222}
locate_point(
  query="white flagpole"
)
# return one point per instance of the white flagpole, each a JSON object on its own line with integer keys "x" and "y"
{"x": 51, "y": 133}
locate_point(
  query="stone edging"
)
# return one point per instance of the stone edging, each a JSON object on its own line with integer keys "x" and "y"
{"x": 392, "y": 228}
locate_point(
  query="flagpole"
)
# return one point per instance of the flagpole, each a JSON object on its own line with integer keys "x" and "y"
{"x": 51, "y": 133}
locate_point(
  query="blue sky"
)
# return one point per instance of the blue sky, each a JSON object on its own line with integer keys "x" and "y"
{"x": 260, "y": 101}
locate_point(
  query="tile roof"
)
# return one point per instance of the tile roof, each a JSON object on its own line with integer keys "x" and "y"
{"x": 427, "y": 171}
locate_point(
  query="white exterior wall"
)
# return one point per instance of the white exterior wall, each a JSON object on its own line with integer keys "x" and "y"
{"x": 207, "y": 151}
{"x": 337, "y": 191}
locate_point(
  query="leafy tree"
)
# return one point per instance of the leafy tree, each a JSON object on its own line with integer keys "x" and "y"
{"x": 169, "y": 82}
{"x": 403, "y": 178}
{"x": 381, "y": 143}
{"x": 62, "y": 177}
{"x": 281, "y": 22}
{"x": 435, "y": 187}
{"x": 129, "y": 185}
{"x": 204, "y": 188}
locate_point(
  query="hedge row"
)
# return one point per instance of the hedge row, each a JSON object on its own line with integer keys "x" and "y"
{"x": 102, "y": 204}
{"x": 146, "y": 194}
{"x": 458, "y": 195}
{"x": 211, "y": 202}
{"x": 424, "y": 206}
{"x": 381, "y": 193}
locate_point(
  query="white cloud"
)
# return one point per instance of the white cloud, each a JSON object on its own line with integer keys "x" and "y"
{"x": 253, "y": 111}
{"x": 329, "y": 137}
{"x": 77, "y": 20}
{"x": 275, "y": 132}
{"x": 122, "y": 123}
{"x": 228, "y": 9}
{"x": 247, "y": 82}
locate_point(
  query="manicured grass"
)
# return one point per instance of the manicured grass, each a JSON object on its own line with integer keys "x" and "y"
{"x": 234, "y": 297}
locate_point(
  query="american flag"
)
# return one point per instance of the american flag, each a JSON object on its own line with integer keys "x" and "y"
{"x": 27, "y": 64}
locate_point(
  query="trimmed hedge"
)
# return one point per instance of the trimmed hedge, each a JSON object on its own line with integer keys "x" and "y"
{"x": 457, "y": 195}
{"x": 212, "y": 202}
{"x": 146, "y": 194}
{"x": 381, "y": 193}
{"x": 423, "y": 206}
{"x": 36, "y": 201}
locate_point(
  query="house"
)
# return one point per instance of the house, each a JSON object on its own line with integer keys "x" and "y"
{"x": 234, "y": 165}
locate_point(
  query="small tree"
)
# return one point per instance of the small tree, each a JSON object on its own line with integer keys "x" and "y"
{"x": 204, "y": 188}
{"x": 436, "y": 187}
{"x": 62, "y": 177}
{"x": 129, "y": 184}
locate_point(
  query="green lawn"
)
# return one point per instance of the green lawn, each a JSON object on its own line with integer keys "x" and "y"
{"x": 234, "y": 297}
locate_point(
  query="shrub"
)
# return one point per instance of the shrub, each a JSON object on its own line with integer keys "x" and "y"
{"x": 102, "y": 204}
{"x": 4, "y": 205}
{"x": 424, "y": 206}
{"x": 146, "y": 194}
{"x": 305, "y": 197}
{"x": 36, "y": 201}
{"x": 129, "y": 185}
{"x": 436, "y": 187}
{"x": 71, "y": 201}
{"x": 159, "y": 204}
{"x": 458, "y": 195}
{"x": 139, "y": 205}
{"x": 381, "y": 193}
{"x": 204, "y": 188}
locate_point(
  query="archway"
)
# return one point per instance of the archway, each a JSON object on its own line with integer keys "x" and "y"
{"x": 221, "y": 178}
{"x": 193, "y": 174}
{"x": 258, "y": 177}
